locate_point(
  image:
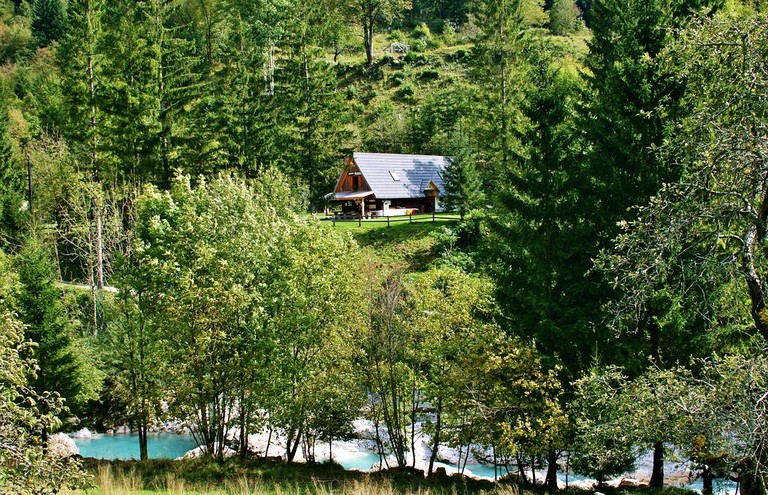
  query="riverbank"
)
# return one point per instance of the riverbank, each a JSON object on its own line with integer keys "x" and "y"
{"x": 358, "y": 453}
{"x": 272, "y": 477}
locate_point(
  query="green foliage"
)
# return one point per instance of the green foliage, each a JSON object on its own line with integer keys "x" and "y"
{"x": 237, "y": 293}
{"x": 48, "y": 21}
{"x": 16, "y": 40}
{"x": 496, "y": 57}
{"x": 25, "y": 413}
{"x": 564, "y": 17}
{"x": 463, "y": 187}
{"x": 12, "y": 214}
{"x": 540, "y": 244}
{"x": 603, "y": 445}
{"x": 63, "y": 366}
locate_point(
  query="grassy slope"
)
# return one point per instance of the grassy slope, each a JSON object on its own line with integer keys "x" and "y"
{"x": 406, "y": 245}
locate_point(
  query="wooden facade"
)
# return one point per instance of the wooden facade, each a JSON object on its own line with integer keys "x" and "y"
{"x": 376, "y": 184}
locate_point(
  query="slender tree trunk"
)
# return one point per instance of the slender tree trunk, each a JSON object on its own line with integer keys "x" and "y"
{"x": 292, "y": 445}
{"x": 370, "y": 19}
{"x": 657, "y": 474}
{"x": 550, "y": 483}
{"x": 414, "y": 405}
{"x": 657, "y": 471}
{"x": 143, "y": 451}
{"x": 243, "y": 429}
{"x": 436, "y": 437}
{"x": 521, "y": 470}
{"x": 706, "y": 479}
{"x": 269, "y": 442}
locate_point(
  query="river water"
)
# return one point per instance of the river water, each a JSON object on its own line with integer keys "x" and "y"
{"x": 172, "y": 446}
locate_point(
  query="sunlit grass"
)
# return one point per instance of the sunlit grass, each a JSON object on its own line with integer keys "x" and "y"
{"x": 111, "y": 481}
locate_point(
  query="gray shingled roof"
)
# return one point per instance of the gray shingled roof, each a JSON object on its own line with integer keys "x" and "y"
{"x": 400, "y": 176}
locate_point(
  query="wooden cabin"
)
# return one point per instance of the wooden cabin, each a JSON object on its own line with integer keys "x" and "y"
{"x": 382, "y": 184}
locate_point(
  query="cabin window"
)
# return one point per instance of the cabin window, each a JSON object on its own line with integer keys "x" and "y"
{"x": 355, "y": 182}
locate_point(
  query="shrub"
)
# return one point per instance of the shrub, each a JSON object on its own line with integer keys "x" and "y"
{"x": 405, "y": 92}
{"x": 422, "y": 31}
{"x": 417, "y": 58}
{"x": 564, "y": 17}
{"x": 429, "y": 75}
{"x": 419, "y": 45}
{"x": 397, "y": 78}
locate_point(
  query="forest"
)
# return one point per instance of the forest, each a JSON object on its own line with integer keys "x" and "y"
{"x": 601, "y": 294}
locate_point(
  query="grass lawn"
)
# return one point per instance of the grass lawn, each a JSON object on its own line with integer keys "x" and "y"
{"x": 408, "y": 244}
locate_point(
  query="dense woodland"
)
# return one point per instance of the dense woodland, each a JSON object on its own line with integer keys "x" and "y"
{"x": 602, "y": 295}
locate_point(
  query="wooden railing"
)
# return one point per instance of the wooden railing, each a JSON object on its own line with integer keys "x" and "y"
{"x": 356, "y": 217}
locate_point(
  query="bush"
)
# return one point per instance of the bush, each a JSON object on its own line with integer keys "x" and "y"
{"x": 417, "y": 58}
{"x": 371, "y": 95}
{"x": 429, "y": 75}
{"x": 397, "y": 78}
{"x": 419, "y": 45}
{"x": 422, "y": 31}
{"x": 564, "y": 17}
{"x": 405, "y": 92}
{"x": 15, "y": 41}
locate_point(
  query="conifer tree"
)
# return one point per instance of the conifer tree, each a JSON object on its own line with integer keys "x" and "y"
{"x": 12, "y": 191}
{"x": 463, "y": 187}
{"x": 81, "y": 60}
{"x": 496, "y": 66}
{"x": 130, "y": 73}
{"x": 40, "y": 308}
{"x": 540, "y": 244}
{"x": 48, "y": 21}
{"x": 631, "y": 100}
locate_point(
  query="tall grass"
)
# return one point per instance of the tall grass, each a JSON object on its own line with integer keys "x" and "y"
{"x": 118, "y": 483}
{"x": 112, "y": 481}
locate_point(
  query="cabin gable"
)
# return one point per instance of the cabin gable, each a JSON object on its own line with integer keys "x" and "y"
{"x": 383, "y": 181}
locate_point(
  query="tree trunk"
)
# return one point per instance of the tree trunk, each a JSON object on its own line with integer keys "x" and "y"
{"x": 292, "y": 445}
{"x": 243, "y": 430}
{"x": 706, "y": 479}
{"x": 657, "y": 474}
{"x": 550, "y": 482}
{"x": 520, "y": 470}
{"x": 368, "y": 37}
{"x": 436, "y": 437}
{"x": 143, "y": 451}
{"x": 750, "y": 480}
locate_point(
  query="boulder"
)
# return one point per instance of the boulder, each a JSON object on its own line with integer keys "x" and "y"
{"x": 83, "y": 434}
{"x": 62, "y": 445}
{"x": 198, "y": 452}
{"x": 632, "y": 483}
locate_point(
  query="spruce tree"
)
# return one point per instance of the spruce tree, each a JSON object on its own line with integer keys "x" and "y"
{"x": 48, "y": 21}
{"x": 631, "y": 100}
{"x": 496, "y": 60}
{"x": 129, "y": 73}
{"x": 463, "y": 186}
{"x": 12, "y": 189}
{"x": 541, "y": 243}
{"x": 47, "y": 324}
